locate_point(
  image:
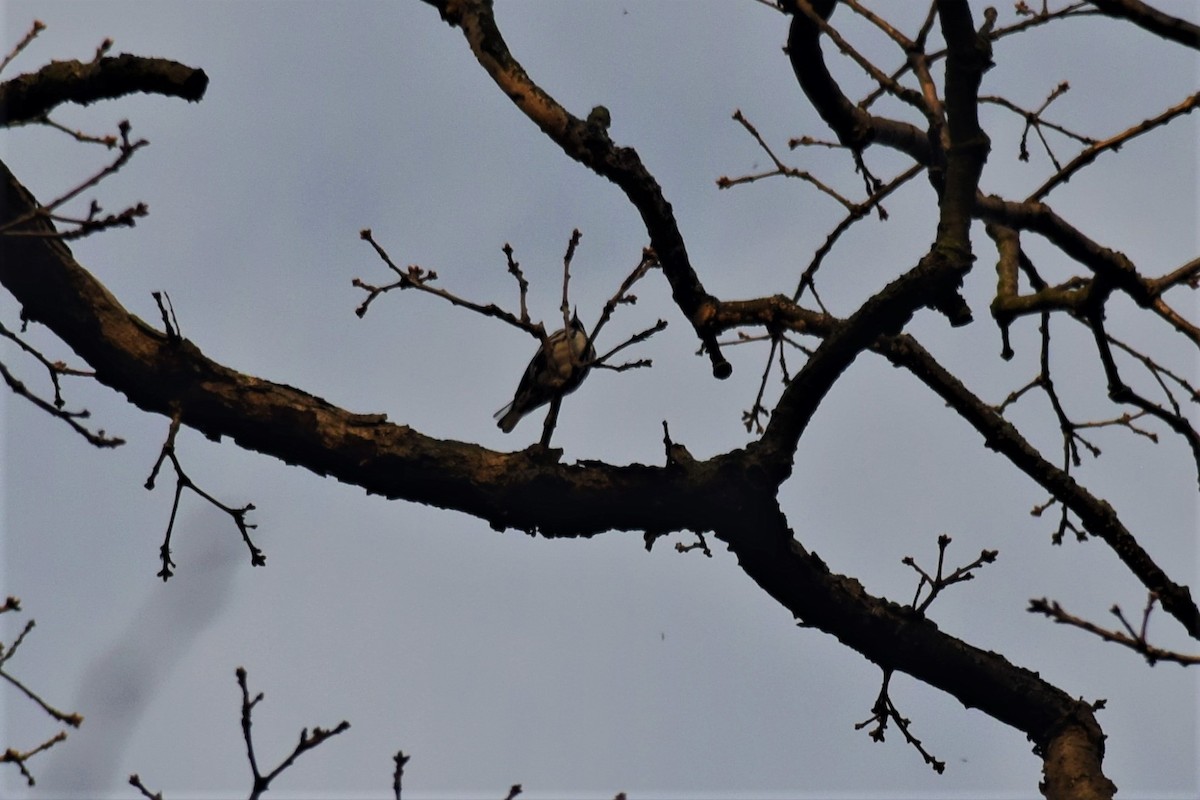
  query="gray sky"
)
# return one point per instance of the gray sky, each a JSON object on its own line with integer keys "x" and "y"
{"x": 576, "y": 668}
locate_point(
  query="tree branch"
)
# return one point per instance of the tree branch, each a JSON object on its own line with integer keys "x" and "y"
{"x": 170, "y": 375}
{"x": 1097, "y": 516}
{"x": 587, "y": 141}
{"x": 29, "y": 97}
{"x": 1153, "y": 20}
{"x": 895, "y": 637}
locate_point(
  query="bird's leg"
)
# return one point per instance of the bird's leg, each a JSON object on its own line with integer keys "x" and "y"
{"x": 551, "y": 421}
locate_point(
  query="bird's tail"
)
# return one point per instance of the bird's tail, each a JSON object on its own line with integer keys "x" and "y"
{"x": 508, "y": 418}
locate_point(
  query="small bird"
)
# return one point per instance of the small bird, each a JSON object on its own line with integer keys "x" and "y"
{"x": 557, "y": 369}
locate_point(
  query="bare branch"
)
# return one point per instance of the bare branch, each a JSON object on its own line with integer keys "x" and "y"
{"x": 884, "y": 710}
{"x": 19, "y": 225}
{"x": 1153, "y": 20}
{"x": 37, "y": 27}
{"x": 95, "y": 438}
{"x": 398, "y": 774}
{"x": 640, "y": 336}
{"x": 136, "y": 782}
{"x": 1120, "y": 392}
{"x": 13, "y": 755}
{"x": 781, "y": 169}
{"x": 182, "y": 481}
{"x": 937, "y": 583}
{"x": 587, "y": 141}
{"x": 307, "y": 741}
{"x": 622, "y": 296}
{"x": 514, "y": 269}
{"x": 1134, "y": 640}
{"x": 31, "y": 96}
{"x": 1089, "y": 154}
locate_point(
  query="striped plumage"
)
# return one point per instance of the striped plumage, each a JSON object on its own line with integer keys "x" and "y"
{"x": 558, "y": 368}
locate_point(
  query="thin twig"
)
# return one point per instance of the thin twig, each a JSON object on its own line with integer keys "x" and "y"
{"x": 182, "y": 481}
{"x": 1135, "y": 641}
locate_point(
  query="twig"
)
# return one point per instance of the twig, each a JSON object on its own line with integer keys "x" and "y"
{"x": 12, "y": 755}
{"x": 136, "y": 782}
{"x": 182, "y": 481}
{"x": 400, "y": 760}
{"x": 37, "y": 27}
{"x": 170, "y": 321}
{"x": 415, "y": 277}
{"x": 1120, "y": 392}
{"x": 937, "y": 582}
{"x": 648, "y": 262}
{"x": 514, "y": 269}
{"x": 1112, "y": 143}
{"x": 97, "y": 438}
{"x": 857, "y": 211}
{"x": 565, "y": 306}
{"x": 780, "y": 168}
{"x": 640, "y": 336}
{"x": 55, "y": 368}
{"x": 751, "y": 418}
{"x": 73, "y": 719}
{"x": 107, "y": 140}
{"x": 126, "y": 150}
{"x": 1134, "y": 640}
{"x": 307, "y": 741}
{"x": 700, "y": 544}
{"x": 1034, "y": 121}
{"x": 882, "y": 711}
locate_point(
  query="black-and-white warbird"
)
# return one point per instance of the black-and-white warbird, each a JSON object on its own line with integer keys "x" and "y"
{"x": 557, "y": 369}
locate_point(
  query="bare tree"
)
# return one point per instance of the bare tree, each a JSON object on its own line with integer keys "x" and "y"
{"x": 932, "y": 84}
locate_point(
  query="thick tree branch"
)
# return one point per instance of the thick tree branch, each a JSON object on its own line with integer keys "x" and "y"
{"x": 968, "y": 57}
{"x": 1040, "y": 218}
{"x": 1153, "y": 20}
{"x": 731, "y": 493}
{"x": 884, "y": 314}
{"x": 31, "y": 96}
{"x": 169, "y": 375}
{"x": 898, "y": 638}
{"x": 935, "y": 280}
{"x": 855, "y": 127}
{"x": 1097, "y": 516}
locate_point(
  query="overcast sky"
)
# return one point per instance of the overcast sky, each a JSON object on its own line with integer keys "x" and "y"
{"x": 576, "y": 668}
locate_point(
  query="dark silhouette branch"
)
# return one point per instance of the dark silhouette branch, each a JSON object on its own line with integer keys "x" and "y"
{"x": 182, "y": 481}
{"x": 938, "y": 582}
{"x": 12, "y": 755}
{"x": 1151, "y": 19}
{"x": 307, "y": 741}
{"x": 884, "y": 711}
{"x": 1135, "y": 640}
{"x": 34, "y": 29}
{"x": 731, "y": 496}
{"x": 15, "y": 224}
{"x": 1097, "y": 516}
{"x": 897, "y": 638}
{"x": 136, "y": 782}
{"x": 398, "y": 774}
{"x": 29, "y": 97}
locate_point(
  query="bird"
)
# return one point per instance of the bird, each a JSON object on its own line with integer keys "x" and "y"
{"x": 559, "y": 366}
